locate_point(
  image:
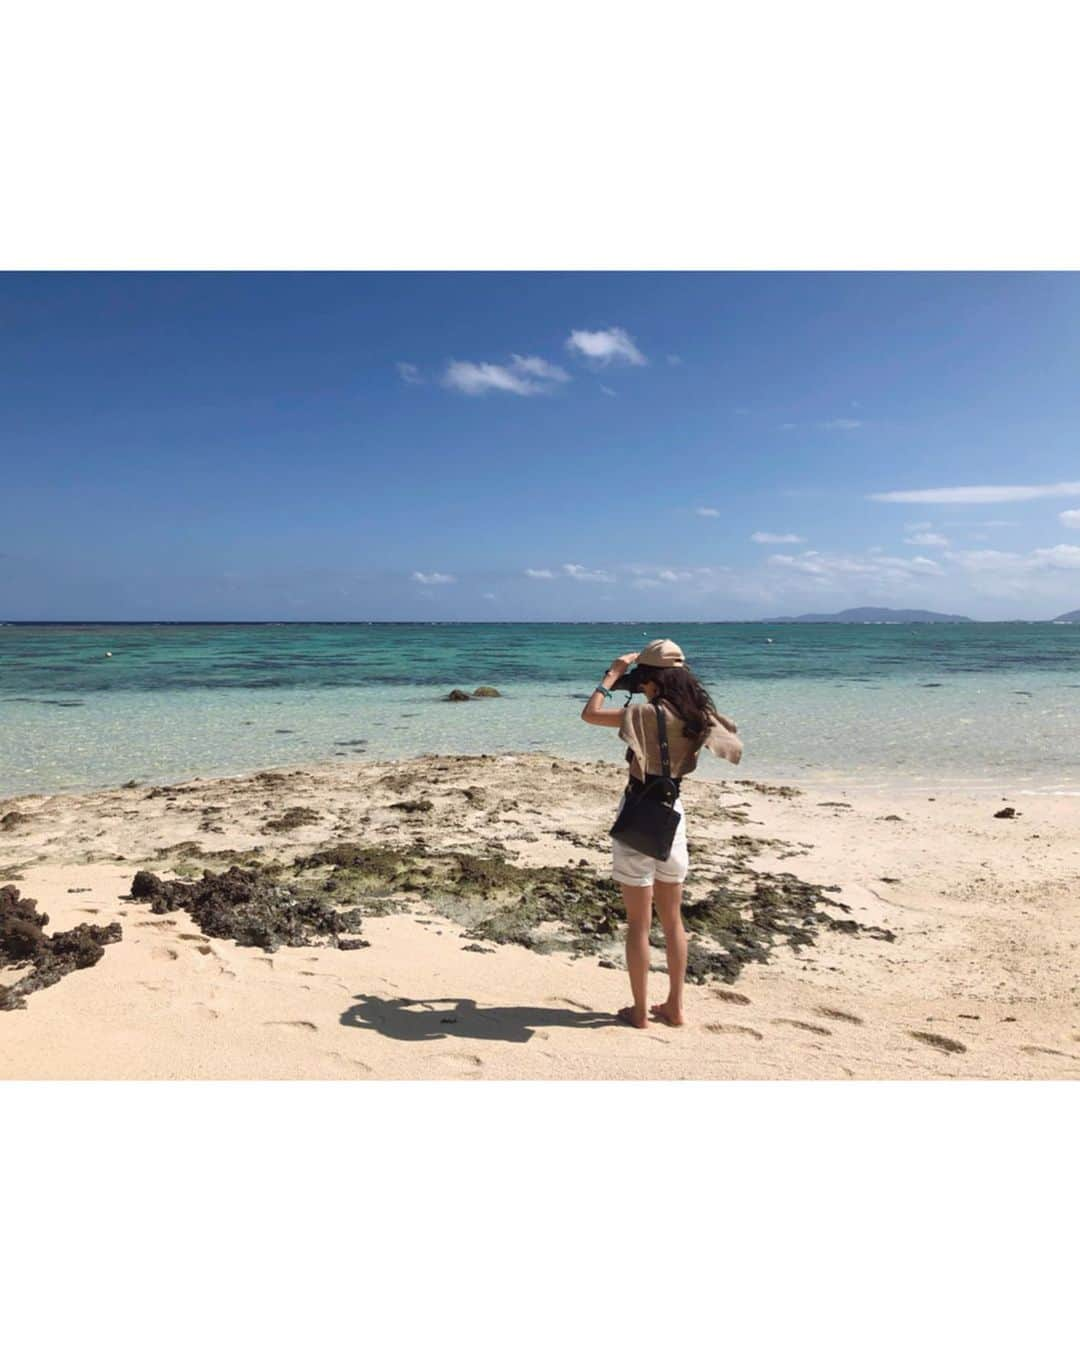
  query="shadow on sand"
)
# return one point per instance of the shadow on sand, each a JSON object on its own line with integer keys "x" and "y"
{"x": 408, "y": 1019}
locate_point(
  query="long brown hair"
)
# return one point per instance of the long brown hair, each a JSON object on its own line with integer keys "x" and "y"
{"x": 681, "y": 688}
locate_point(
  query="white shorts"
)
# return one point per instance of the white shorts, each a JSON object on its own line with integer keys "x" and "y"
{"x": 631, "y": 868}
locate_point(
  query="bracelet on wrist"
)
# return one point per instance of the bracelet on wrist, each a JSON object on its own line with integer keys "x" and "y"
{"x": 601, "y": 690}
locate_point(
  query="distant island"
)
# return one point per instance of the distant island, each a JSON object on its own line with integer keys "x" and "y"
{"x": 870, "y": 614}
{"x": 1073, "y": 616}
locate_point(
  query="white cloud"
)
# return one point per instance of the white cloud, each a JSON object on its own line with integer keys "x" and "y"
{"x": 977, "y": 495}
{"x": 926, "y": 539}
{"x": 1059, "y": 558}
{"x": 920, "y": 525}
{"x": 645, "y": 583}
{"x": 674, "y": 360}
{"x": 539, "y": 368}
{"x": 409, "y": 373}
{"x": 831, "y": 567}
{"x": 489, "y": 596}
{"x": 525, "y": 376}
{"x": 1070, "y": 519}
{"x": 788, "y": 426}
{"x": 580, "y": 573}
{"x": 706, "y": 511}
{"x": 433, "y": 578}
{"x": 610, "y": 392}
{"x": 1050, "y": 574}
{"x": 607, "y": 346}
{"x": 763, "y": 537}
{"x": 540, "y": 573}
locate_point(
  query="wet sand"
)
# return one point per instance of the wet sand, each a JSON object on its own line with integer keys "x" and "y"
{"x": 976, "y": 978}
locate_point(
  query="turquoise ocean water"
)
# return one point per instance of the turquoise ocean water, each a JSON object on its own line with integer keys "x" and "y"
{"x": 948, "y": 705}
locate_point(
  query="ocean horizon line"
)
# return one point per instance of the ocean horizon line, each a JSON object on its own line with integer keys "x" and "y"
{"x": 507, "y": 623}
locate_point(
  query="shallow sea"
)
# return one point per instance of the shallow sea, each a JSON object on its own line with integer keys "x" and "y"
{"x": 981, "y": 706}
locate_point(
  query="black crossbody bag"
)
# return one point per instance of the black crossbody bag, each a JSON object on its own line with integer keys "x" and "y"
{"x": 648, "y": 821}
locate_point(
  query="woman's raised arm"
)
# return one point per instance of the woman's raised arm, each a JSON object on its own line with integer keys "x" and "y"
{"x": 594, "y": 711}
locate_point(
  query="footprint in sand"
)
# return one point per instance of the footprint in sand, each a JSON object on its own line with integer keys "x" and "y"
{"x": 156, "y": 923}
{"x": 1047, "y": 1050}
{"x": 461, "y": 1063}
{"x": 207, "y": 1014}
{"x": 298, "y": 1025}
{"x": 802, "y": 1026}
{"x": 730, "y": 996}
{"x": 950, "y": 1047}
{"x": 839, "y": 1015}
{"x": 202, "y": 947}
{"x": 356, "y": 1065}
{"x": 165, "y": 954}
{"x": 733, "y": 1027}
{"x": 89, "y": 909}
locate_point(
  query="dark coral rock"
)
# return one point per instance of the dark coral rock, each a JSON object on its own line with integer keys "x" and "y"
{"x": 730, "y": 928}
{"x": 23, "y": 942}
{"x": 486, "y": 691}
{"x": 456, "y": 696}
{"x": 293, "y": 819}
{"x": 81, "y": 946}
{"x": 13, "y": 819}
{"x": 746, "y": 916}
{"x": 21, "y": 935}
{"x": 249, "y": 906}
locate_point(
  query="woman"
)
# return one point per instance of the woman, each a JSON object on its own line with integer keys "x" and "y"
{"x": 692, "y": 724}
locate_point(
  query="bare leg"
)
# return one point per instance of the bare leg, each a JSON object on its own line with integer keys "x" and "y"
{"x": 638, "y": 902}
{"x": 668, "y": 896}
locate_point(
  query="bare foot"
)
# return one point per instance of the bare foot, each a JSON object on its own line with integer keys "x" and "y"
{"x": 663, "y": 1012}
{"x": 632, "y": 1018}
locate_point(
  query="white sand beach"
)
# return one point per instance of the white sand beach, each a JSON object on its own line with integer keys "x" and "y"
{"x": 980, "y": 980}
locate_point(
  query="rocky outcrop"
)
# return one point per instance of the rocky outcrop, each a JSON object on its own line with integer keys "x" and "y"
{"x": 23, "y": 942}
{"x": 253, "y": 908}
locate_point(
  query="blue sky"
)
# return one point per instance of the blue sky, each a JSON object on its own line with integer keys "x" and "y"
{"x": 537, "y": 446}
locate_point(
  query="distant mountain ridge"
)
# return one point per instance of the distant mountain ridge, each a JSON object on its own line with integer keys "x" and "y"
{"x": 872, "y": 614}
{"x": 1073, "y": 616}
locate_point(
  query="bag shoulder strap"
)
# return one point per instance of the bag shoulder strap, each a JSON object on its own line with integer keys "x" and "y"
{"x": 661, "y": 730}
